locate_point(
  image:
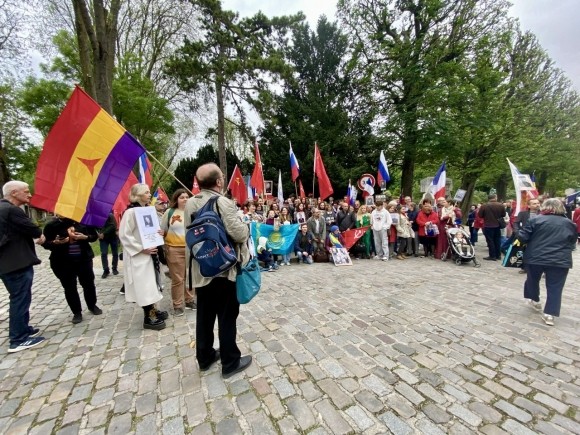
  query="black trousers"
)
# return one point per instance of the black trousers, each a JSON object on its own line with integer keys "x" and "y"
{"x": 218, "y": 300}
{"x": 67, "y": 270}
{"x": 493, "y": 239}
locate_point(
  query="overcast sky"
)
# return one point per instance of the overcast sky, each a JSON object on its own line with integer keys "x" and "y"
{"x": 556, "y": 23}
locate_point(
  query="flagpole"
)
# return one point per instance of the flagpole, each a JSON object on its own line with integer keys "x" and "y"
{"x": 314, "y": 175}
{"x": 295, "y": 188}
{"x": 167, "y": 170}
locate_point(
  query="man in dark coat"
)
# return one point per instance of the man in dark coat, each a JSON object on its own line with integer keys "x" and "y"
{"x": 108, "y": 237}
{"x": 491, "y": 213}
{"x": 17, "y": 257}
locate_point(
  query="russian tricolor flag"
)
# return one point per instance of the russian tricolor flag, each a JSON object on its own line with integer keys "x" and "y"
{"x": 437, "y": 186}
{"x": 294, "y": 166}
{"x": 383, "y": 173}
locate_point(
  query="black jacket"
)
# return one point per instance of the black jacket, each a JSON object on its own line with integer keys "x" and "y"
{"x": 521, "y": 220}
{"x": 16, "y": 234}
{"x": 345, "y": 220}
{"x": 550, "y": 240}
{"x": 58, "y": 227}
{"x": 109, "y": 231}
{"x": 491, "y": 213}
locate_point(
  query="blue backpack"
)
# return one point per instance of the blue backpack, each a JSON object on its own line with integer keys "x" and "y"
{"x": 208, "y": 242}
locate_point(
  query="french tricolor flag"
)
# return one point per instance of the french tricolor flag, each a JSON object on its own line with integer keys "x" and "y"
{"x": 437, "y": 186}
{"x": 383, "y": 173}
{"x": 294, "y": 166}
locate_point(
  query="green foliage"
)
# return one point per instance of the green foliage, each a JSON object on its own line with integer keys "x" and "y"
{"x": 21, "y": 154}
{"x": 319, "y": 105}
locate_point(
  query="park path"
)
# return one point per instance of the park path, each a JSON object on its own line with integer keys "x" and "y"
{"x": 403, "y": 347}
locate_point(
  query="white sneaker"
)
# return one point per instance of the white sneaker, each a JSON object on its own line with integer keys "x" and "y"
{"x": 548, "y": 320}
{"x": 385, "y": 258}
{"x": 376, "y": 257}
{"x": 287, "y": 263}
{"x": 282, "y": 264}
{"x": 535, "y": 305}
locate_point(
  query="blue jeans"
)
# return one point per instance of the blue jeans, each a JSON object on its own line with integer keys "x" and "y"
{"x": 104, "y": 245}
{"x": 19, "y": 286}
{"x": 555, "y": 280}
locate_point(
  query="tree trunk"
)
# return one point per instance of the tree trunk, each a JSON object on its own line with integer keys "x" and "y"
{"x": 501, "y": 187}
{"x": 221, "y": 128}
{"x": 407, "y": 177}
{"x": 4, "y": 172}
{"x": 469, "y": 186}
{"x": 541, "y": 181}
{"x": 97, "y": 36}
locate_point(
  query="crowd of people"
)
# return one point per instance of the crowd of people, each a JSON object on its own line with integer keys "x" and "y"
{"x": 396, "y": 229}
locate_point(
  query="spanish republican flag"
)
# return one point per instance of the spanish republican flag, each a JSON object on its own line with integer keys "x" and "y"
{"x": 85, "y": 161}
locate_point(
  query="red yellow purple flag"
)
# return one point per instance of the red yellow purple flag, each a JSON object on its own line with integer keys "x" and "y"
{"x": 85, "y": 161}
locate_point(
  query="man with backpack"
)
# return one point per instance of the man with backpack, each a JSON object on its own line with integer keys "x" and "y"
{"x": 216, "y": 296}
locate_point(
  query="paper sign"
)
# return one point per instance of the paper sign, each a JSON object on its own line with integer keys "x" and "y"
{"x": 459, "y": 195}
{"x": 148, "y": 226}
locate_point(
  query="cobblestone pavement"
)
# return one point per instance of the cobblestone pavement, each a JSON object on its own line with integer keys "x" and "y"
{"x": 403, "y": 347}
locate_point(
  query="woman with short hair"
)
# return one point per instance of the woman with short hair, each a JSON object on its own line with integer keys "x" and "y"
{"x": 551, "y": 238}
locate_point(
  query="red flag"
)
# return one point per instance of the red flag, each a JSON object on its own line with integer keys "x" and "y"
{"x": 238, "y": 187}
{"x": 324, "y": 186}
{"x": 161, "y": 195}
{"x": 195, "y": 189}
{"x": 302, "y": 194}
{"x": 257, "y": 180}
{"x": 122, "y": 200}
{"x": 351, "y": 236}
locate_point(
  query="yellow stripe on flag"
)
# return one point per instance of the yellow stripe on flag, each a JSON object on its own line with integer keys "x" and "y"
{"x": 95, "y": 145}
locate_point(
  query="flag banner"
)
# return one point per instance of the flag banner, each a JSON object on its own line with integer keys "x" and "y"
{"x": 437, "y": 187}
{"x": 571, "y": 199}
{"x": 257, "y": 180}
{"x": 195, "y": 188}
{"x": 383, "y": 175}
{"x": 280, "y": 191}
{"x": 351, "y": 236}
{"x": 159, "y": 196}
{"x": 144, "y": 170}
{"x": 324, "y": 186}
{"x": 122, "y": 200}
{"x": 351, "y": 193}
{"x": 238, "y": 187}
{"x": 294, "y": 166}
{"x": 524, "y": 188}
{"x": 301, "y": 188}
{"x": 86, "y": 159}
{"x": 280, "y": 237}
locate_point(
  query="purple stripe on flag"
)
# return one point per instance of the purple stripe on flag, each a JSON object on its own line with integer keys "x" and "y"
{"x": 111, "y": 179}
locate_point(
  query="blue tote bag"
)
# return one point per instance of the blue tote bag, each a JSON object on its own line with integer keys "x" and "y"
{"x": 249, "y": 279}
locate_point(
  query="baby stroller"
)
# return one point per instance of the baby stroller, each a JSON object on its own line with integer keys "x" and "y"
{"x": 460, "y": 248}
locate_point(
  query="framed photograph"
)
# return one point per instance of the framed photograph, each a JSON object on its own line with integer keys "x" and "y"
{"x": 340, "y": 256}
{"x": 148, "y": 226}
{"x": 369, "y": 200}
{"x": 268, "y": 187}
{"x": 381, "y": 198}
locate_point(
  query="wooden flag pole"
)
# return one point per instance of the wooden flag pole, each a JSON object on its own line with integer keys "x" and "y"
{"x": 167, "y": 170}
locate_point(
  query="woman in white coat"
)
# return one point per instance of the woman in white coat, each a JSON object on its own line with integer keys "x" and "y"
{"x": 139, "y": 268}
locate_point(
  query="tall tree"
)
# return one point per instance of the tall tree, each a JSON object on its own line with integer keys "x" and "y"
{"x": 402, "y": 48}
{"x": 96, "y": 31}
{"x": 320, "y": 104}
{"x": 234, "y": 59}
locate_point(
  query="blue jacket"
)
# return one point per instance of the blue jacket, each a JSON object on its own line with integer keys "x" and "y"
{"x": 550, "y": 240}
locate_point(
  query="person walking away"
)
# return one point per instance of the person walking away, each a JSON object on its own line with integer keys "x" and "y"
{"x": 216, "y": 297}
{"x": 173, "y": 226}
{"x": 108, "y": 238}
{"x": 17, "y": 258}
{"x": 523, "y": 217}
{"x": 71, "y": 259}
{"x": 140, "y": 276}
{"x": 551, "y": 238}
{"x": 491, "y": 213}
{"x": 470, "y": 223}
{"x": 381, "y": 224}
{"x": 576, "y": 220}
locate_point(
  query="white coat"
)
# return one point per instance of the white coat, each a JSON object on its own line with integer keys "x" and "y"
{"x": 138, "y": 270}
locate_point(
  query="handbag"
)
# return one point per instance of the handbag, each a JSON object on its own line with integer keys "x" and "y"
{"x": 249, "y": 278}
{"x": 514, "y": 256}
{"x": 320, "y": 256}
{"x": 502, "y": 223}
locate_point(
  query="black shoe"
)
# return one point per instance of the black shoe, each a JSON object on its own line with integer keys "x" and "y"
{"x": 105, "y": 274}
{"x": 489, "y": 258}
{"x": 163, "y": 315}
{"x": 33, "y": 332}
{"x": 96, "y": 311}
{"x": 153, "y": 322}
{"x": 115, "y": 272}
{"x": 215, "y": 359}
{"x": 122, "y": 290}
{"x": 243, "y": 364}
{"x": 191, "y": 305}
{"x": 77, "y": 318}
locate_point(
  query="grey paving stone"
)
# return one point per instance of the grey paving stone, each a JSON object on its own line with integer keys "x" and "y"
{"x": 369, "y": 401}
{"x": 221, "y": 408}
{"x": 409, "y": 393}
{"x": 395, "y": 424}
{"x": 337, "y": 424}
{"x": 551, "y": 402}
{"x": 247, "y": 402}
{"x": 173, "y": 426}
{"x": 229, "y": 426}
{"x": 145, "y": 404}
{"x": 120, "y": 424}
{"x": 44, "y": 428}
{"x": 360, "y": 417}
{"x": 436, "y": 413}
{"x": 513, "y": 411}
{"x": 336, "y": 394}
{"x": 196, "y": 408}
{"x": 147, "y": 425}
{"x": 465, "y": 414}
{"x": 516, "y": 428}
{"x": 202, "y": 429}
{"x": 284, "y": 387}
{"x": 170, "y": 408}
{"x": 486, "y": 412}
{"x": 301, "y": 412}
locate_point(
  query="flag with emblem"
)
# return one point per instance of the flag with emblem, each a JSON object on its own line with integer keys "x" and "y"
{"x": 238, "y": 187}
{"x": 86, "y": 159}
